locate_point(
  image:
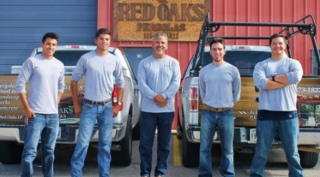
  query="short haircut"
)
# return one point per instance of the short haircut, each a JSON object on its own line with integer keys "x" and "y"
{"x": 50, "y": 35}
{"x": 102, "y": 31}
{"x": 218, "y": 40}
{"x": 159, "y": 34}
{"x": 277, "y": 35}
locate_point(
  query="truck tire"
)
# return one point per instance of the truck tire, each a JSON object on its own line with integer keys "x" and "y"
{"x": 136, "y": 131}
{"x": 308, "y": 159}
{"x": 190, "y": 152}
{"x": 179, "y": 127}
{"x": 10, "y": 152}
{"x": 124, "y": 156}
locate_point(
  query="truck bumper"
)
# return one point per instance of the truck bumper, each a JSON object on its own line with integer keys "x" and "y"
{"x": 243, "y": 135}
{"x": 67, "y": 133}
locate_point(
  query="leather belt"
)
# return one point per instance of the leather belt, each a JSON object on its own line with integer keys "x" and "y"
{"x": 96, "y": 102}
{"x": 205, "y": 107}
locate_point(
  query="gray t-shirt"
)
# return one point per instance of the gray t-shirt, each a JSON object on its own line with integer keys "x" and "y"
{"x": 220, "y": 85}
{"x": 285, "y": 97}
{"x": 158, "y": 76}
{"x": 99, "y": 74}
{"x": 46, "y": 79}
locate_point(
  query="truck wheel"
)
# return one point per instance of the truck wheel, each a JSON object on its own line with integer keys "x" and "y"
{"x": 179, "y": 128}
{"x": 136, "y": 131}
{"x": 10, "y": 152}
{"x": 124, "y": 156}
{"x": 190, "y": 152}
{"x": 308, "y": 159}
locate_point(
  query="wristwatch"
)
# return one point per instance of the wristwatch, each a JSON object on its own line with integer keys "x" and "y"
{"x": 273, "y": 77}
{"x": 119, "y": 103}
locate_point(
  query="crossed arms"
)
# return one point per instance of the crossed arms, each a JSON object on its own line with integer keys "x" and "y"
{"x": 292, "y": 77}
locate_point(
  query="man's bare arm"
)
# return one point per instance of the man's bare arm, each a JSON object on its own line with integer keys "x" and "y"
{"x": 274, "y": 85}
{"x": 74, "y": 91}
{"x": 28, "y": 112}
{"x": 59, "y": 96}
{"x": 116, "y": 108}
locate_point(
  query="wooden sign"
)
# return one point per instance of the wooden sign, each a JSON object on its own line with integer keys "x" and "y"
{"x": 139, "y": 20}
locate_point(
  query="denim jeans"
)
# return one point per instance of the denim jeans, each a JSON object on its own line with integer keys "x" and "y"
{"x": 289, "y": 134}
{"x": 225, "y": 123}
{"x": 149, "y": 123}
{"x": 90, "y": 113}
{"x": 45, "y": 126}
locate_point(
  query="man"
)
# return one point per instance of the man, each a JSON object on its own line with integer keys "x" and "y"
{"x": 99, "y": 69}
{"x": 277, "y": 78}
{"x": 45, "y": 75}
{"x": 220, "y": 90}
{"x": 159, "y": 79}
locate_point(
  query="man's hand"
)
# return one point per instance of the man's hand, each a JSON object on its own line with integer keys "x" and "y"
{"x": 29, "y": 114}
{"x": 115, "y": 110}
{"x": 77, "y": 110}
{"x": 160, "y": 100}
{"x": 164, "y": 103}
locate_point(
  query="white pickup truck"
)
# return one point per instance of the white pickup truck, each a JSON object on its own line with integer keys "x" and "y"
{"x": 244, "y": 57}
{"x": 126, "y": 126}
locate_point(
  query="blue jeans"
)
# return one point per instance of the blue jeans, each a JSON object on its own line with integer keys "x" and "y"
{"x": 149, "y": 123}
{"x": 209, "y": 121}
{"x": 90, "y": 113}
{"x": 46, "y": 126}
{"x": 289, "y": 134}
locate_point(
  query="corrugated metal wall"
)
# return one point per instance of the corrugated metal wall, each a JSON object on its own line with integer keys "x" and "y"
{"x": 23, "y": 24}
{"x": 269, "y": 11}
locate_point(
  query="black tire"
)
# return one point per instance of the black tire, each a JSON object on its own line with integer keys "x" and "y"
{"x": 179, "y": 128}
{"x": 190, "y": 152}
{"x": 124, "y": 156}
{"x": 136, "y": 130}
{"x": 308, "y": 159}
{"x": 10, "y": 152}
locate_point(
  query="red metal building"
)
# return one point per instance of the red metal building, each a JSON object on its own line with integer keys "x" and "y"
{"x": 268, "y": 11}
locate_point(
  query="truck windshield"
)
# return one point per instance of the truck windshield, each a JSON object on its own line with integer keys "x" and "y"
{"x": 70, "y": 57}
{"x": 243, "y": 60}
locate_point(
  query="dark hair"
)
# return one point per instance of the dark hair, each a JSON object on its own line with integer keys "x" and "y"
{"x": 217, "y": 40}
{"x": 277, "y": 35}
{"x": 102, "y": 31}
{"x": 50, "y": 35}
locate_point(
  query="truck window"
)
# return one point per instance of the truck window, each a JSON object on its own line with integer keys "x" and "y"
{"x": 69, "y": 57}
{"x": 243, "y": 60}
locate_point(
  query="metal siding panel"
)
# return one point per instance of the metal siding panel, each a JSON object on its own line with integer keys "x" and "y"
{"x": 242, "y": 16}
{"x": 47, "y": 3}
{"x": 253, "y": 16}
{"x": 71, "y": 35}
{"x": 46, "y": 24}
{"x": 299, "y": 39}
{"x": 13, "y": 57}
{"x": 51, "y": 13}
{"x": 5, "y": 69}
{"x": 311, "y": 8}
{"x": 23, "y": 24}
